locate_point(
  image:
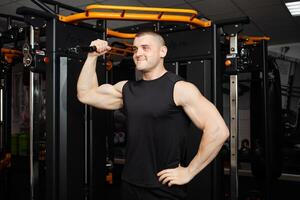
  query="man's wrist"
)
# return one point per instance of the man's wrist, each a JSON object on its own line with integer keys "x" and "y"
{"x": 92, "y": 57}
{"x": 191, "y": 171}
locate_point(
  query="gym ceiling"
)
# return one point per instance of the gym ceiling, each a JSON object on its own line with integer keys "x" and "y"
{"x": 268, "y": 17}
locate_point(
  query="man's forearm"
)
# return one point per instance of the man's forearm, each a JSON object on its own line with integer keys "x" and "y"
{"x": 211, "y": 143}
{"x": 88, "y": 77}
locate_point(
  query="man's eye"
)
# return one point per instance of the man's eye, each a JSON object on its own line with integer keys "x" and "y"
{"x": 146, "y": 48}
{"x": 134, "y": 49}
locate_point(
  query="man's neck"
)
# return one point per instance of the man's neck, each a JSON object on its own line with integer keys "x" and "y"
{"x": 154, "y": 74}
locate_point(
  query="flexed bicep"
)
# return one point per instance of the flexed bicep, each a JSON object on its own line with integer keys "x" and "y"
{"x": 106, "y": 96}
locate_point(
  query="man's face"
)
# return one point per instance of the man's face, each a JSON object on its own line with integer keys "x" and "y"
{"x": 149, "y": 52}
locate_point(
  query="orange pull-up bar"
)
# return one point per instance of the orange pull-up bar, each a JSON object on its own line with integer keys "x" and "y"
{"x": 10, "y": 54}
{"x": 137, "y": 14}
{"x": 249, "y": 40}
{"x": 110, "y": 32}
{"x": 136, "y": 8}
{"x": 10, "y": 51}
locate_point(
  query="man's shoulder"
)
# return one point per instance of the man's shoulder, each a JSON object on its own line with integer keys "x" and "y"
{"x": 179, "y": 92}
{"x": 119, "y": 86}
{"x": 184, "y": 85}
{"x": 185, "y": 90}
{"x": 174, "y": 77}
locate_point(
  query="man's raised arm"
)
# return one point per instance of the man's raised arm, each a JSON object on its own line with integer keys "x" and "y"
{"x": 89, "y": 92}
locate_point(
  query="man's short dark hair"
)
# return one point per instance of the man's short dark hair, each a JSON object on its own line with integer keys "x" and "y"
{"x": 155, "y": 34}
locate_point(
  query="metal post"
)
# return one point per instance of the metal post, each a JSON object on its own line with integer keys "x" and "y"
{"x": 234, "y": 136}
{"x": 218, "y": 192}
{"x": 104, "y": 37}
{"x": 35, "y": 93}
{"x": 268, "y": 180}
{"x": 87, "y": 144}
{"x": 233, "y": 124}
{"x": 63, "y": 129}
{"x": 31, "y": 111}
{"x": 215, "y": 62}
{"x": 177, "y": 68}
{"x": 157, "y": 28}
{"x": 1, "y": 115}
{"x": 52, "y": 188}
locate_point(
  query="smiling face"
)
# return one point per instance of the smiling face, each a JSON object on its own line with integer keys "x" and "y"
{"x": 150, "y": 52}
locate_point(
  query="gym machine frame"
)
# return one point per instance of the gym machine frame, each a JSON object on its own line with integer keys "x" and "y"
{"x": 5, "y": 85}
{"x": 217, "y": 169}
{"x": 8, "y": 59}
{"x": 231, "y": 29}
{"x": 55, "y": 191}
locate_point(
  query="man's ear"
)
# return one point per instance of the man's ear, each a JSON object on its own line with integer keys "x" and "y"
{"x": 163, "y": 51}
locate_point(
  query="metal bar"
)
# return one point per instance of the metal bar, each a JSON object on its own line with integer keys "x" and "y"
{"x": 34, "y": 13}
{"x": 31, "y": 101}
{"x": 86, "y": 147}
{"x": 89, "y": 148}
{"x": 1, "y": 116}
{"x": 234, "y": 136}
{"x": 12, "y": 17}
{"x": 215, "y": 66}
{"x": 138, "y": 8}
{"x": 217, "y": 191}
{"x": 34, "y": 107}
{"x": 133, "y": 16}
{"x": 176, "y": 68}
{"x": 116, "y": 50}
{"x": 233, "y": 45}
{"x": 44, "y": 7}
{"x": 63, "y": 135}
{"x": 254, "y": 38}
{"x": 10, "y": 51}
{"x": 52, "y": 187}
{"x": 251, "y": 40}
{"x": 61, "y": 5}
{"x": 8, "y": 23}
{"x": 268, "y": 180}
{"x": 157, "y": 26}
{"x": 104, "y": 37}
{"x": 1, "y": 102}
{"x": 31, "y": 111}
{"x": 113, "y": 33}
{"x": 207, "y": 83}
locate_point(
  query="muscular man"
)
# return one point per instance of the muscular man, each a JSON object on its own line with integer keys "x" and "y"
{"x": 159, "y": 108}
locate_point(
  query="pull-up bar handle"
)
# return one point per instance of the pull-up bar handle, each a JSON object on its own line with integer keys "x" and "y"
{"x": 10, "y": 51}
{"x": 135, "y": 17}
{"x": 255, "y": 38}
{"x": 137, "y": 8}
{"x": 110, "y": 32}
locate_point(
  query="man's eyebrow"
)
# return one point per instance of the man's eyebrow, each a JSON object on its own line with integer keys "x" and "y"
{"x": 143, "y": 45}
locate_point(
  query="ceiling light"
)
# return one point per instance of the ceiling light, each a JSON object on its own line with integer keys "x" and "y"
{"x": 294, "y": 8}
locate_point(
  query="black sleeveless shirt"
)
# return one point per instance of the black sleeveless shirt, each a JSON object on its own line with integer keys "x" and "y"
{"x": 156, "y": 129}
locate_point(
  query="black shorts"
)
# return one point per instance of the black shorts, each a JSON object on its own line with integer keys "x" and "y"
{"x": 133, "y": 192}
